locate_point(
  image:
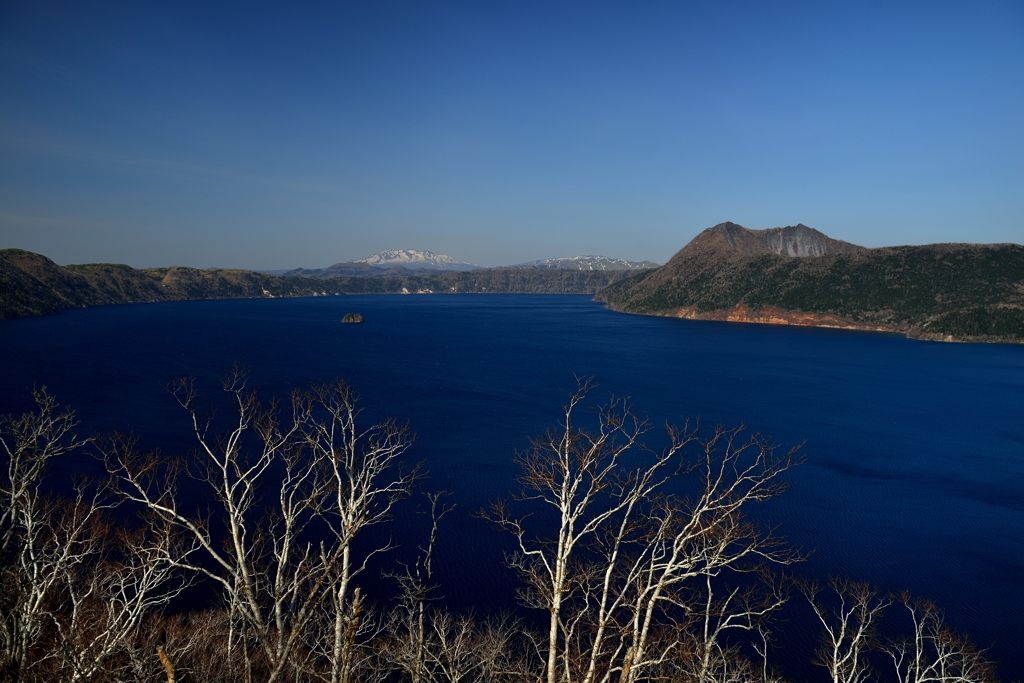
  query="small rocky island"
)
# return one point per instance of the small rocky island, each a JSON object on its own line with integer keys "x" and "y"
{"x": 352, "y": 318}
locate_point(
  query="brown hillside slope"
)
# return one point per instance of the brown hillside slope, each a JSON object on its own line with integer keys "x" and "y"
{"x": 794, "y": 240}
{"x": 32, "y": 284}
{"x": 24, "y": 295}
{"x": 941, "y": 291}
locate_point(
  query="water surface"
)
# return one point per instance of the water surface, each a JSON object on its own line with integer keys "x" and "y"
{"x": 914, "y": 476}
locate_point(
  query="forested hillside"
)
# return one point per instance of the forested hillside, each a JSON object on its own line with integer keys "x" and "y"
{"x": 32, "y": 284}
{"x": 939, "y": 291}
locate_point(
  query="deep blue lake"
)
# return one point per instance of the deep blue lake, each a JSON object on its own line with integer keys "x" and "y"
{"x": 914, "y": 473}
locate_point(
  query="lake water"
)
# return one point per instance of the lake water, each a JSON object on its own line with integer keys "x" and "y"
{"x": 914, "y": 476}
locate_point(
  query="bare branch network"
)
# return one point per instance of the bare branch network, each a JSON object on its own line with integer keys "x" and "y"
{"x": 646, "y": 565}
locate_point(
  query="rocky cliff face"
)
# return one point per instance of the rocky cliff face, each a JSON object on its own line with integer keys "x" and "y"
{"x": 799, "y": 240}
{"x": 772, "y": 315}
{"x": 794, "y": 241}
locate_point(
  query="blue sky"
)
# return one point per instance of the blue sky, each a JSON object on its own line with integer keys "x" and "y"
{"x": 256, "y": 135}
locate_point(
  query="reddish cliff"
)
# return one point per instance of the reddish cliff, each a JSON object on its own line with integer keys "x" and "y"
{"x": 771, "y": 315}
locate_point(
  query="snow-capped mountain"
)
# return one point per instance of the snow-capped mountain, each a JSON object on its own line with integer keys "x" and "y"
{"x": 588, "y": 263}
{"x": 412, "y": 258}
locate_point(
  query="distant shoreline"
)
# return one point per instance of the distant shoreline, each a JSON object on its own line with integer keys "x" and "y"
{"x": 33, "y": 285}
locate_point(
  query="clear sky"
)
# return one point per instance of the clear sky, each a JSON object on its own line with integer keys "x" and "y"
{"x": 258, "y": 135}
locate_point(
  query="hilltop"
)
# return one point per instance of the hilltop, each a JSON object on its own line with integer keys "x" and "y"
{"x": 793, "y": 241}
{"x": 800, "y": 276}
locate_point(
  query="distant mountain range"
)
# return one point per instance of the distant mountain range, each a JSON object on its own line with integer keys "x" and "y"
{"x": 588, "y": 263}
{"x": 31, "y": 284}
{"x": 413, "y": 259}
{"x": 394, "y": 262}
{"x": 799, "y": 276}
{"x": 387, "y": 262}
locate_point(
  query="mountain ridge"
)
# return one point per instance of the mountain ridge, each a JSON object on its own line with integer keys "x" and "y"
{"x": 373, "y": 267}
{"x": 413, "y": 258}
{"x": 31, "y": 284}
{"x": 942, "y": 292}
{"x": 586, "y": 262}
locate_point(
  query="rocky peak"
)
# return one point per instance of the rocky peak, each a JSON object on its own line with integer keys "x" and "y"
{"x": 793, "y": 240}
{"x": 413, "y": 258}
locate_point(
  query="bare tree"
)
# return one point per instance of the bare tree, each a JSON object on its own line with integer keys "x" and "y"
{"x": 27, "y": 554}
{"x": 935, "y": 653}
{"x": 120, "y": 576}
{"x": 428, "y": 644}
{"x": 641, "y": 578}
{"x": 694, "y": 540}
{"x": 77, "y": 588}
{"x": 279, "y": 564}
{"x": 578, "y": 475}
{"x": 361, "y": 468}
{"x": 621, "y": 573}
{"x": 409, "y": 628}
{"x": 849, "y": 614}
{"x": 745, "y": 609}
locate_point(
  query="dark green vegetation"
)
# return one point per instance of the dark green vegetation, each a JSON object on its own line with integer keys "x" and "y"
{"x": 352, "y": 318}
{"x": 31, "y": 284}
{"x": 963, "y": 291}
